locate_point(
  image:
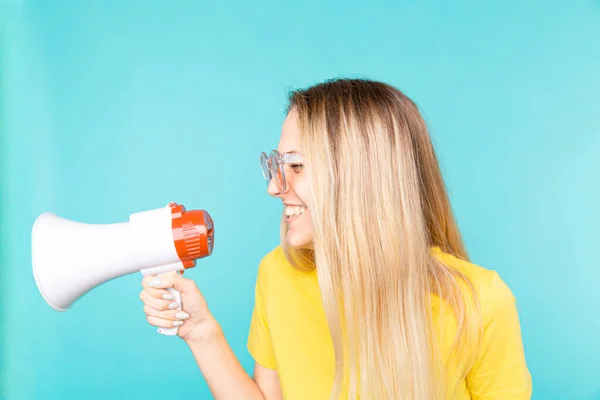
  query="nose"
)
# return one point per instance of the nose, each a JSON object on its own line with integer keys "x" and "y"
{"x": 272, "y": 189}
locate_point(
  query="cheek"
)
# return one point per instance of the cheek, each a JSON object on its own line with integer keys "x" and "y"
{"x": 301, "y": 189}
{"x": 305, "y": 224}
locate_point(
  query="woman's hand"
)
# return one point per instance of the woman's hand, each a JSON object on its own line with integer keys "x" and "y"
{"x": 194, "y": 319}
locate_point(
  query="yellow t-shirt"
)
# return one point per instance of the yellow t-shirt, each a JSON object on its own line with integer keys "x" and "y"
{"x": 289, "y": 333}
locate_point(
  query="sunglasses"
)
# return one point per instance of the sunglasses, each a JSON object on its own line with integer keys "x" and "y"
{"x": 272, "y": 166}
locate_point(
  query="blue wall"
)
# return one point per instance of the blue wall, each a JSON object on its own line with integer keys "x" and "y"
{"x": 108, "y": 108}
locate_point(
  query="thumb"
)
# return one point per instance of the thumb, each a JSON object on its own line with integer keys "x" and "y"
{"x": 168, "y": 280}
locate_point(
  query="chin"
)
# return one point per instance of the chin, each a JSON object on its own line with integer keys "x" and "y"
{"x": 298, "y": 241}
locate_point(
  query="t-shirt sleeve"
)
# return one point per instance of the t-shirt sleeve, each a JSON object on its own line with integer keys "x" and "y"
{"x": 259, "y": 338}
{"x": 500, "y": 371}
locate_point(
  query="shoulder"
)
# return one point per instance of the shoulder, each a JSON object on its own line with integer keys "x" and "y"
{"x": 494, "y": 295}
{"x": 272, "y": 261}
{"x": 277, "y": 275}
{"x": 273, "y": 266}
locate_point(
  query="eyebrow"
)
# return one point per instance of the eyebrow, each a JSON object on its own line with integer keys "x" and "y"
{"x": 290, "y": 152}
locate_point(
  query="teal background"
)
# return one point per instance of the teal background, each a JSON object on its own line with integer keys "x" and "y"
{"x": 114, "y": 107}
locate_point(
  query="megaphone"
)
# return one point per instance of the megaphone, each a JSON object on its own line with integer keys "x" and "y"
{"x": 71, "y": 258}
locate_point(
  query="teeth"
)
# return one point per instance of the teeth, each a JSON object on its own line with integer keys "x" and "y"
{"x": 294, "y": 210}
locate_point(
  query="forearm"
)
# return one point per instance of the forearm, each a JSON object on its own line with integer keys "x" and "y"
{"x": 221, "y": 369}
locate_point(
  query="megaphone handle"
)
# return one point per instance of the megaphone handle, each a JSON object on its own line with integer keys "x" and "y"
{"x": 177, "y": 297}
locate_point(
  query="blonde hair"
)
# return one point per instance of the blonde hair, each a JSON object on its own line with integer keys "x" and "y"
{"x": 378, "y": 204}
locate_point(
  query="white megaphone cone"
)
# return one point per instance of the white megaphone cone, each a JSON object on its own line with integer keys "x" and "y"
{"x": 71, "y": 258}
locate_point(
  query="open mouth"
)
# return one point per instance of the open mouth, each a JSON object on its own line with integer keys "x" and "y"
{"x": 292, "y": 213}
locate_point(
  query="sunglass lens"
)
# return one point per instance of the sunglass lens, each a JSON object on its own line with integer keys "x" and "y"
{"x": 278, "y": 172}
{"x": 264, "y": 165}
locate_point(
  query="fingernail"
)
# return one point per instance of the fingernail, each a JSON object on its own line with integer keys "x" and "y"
{"x": 182, "y": 315}
{"x": 173, "y": 305}
{"x": 167, "y": 296}
{"x": 177, "y": 323}
{"x": 154, "y": 282}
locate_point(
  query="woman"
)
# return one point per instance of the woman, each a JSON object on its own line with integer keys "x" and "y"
{"x": 371, "y": 294}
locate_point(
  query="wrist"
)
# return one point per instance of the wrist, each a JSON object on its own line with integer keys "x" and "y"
{"x": 208, "y": 331}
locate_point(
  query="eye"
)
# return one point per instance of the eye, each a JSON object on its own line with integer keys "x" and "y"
{"x": 297, "y": 167}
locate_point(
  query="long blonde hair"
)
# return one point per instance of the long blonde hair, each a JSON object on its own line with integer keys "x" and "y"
{"x": 378, "y": 205}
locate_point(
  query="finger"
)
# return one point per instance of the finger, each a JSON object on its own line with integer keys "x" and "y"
{"x": 159, "y": 293}
{"x": 155, "y": 303}
{"x": 147, "y": 279}
{"x": 170, "y": 315}
{"x": 163, "y": 323}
